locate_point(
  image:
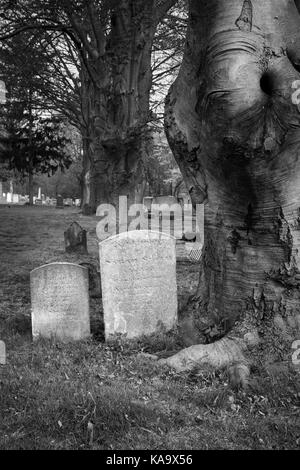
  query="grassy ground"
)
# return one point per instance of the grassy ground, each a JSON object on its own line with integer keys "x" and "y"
{"x": 90, "y": 395}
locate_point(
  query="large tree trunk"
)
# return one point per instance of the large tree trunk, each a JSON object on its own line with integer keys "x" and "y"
{"x": 235, "y": 134}
{"x": 113, "y": 161}
{"x": 117, "y": 105}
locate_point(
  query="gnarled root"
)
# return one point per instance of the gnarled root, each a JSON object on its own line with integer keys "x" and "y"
{"x": 225, "y": 352}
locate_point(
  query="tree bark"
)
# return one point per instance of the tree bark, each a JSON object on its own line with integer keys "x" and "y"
{"x": 235, "y": 134}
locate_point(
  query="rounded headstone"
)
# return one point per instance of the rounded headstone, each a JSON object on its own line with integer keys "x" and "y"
{"x": 139, "y": 290}
{"x": 60, "y": 302}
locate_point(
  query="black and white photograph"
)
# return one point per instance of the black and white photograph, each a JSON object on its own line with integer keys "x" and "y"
{"x": 150, "y": 228}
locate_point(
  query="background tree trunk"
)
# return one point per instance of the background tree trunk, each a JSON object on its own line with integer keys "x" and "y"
{"x": 117, "y": 106}
{"x": 235, "y": 134}
{"x": 85, "y": 177}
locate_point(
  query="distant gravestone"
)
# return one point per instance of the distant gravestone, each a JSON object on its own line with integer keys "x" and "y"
{"x": 60, "y": 302}
{"x": 75, "y": 239}
{"x": 138, "y": 276}
{"x": 59, "y": 202}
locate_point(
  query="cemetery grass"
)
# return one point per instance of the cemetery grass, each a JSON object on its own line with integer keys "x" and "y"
{"x": 91, "y": 395}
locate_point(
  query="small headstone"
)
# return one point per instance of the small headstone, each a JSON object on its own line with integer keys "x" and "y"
{"x": 60, "y": 302}
{"x": 59, "y": 202}
{"x": 75, "y": 239}
{"x": 2, "y": 354}
{"x": 138, "y": 276}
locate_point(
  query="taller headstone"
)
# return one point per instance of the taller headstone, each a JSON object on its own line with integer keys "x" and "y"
{"x": 60, "y": 302}
{"x": 139, "y": 290}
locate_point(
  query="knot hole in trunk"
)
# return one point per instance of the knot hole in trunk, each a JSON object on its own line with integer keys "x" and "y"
{"x": 267, "y": 83}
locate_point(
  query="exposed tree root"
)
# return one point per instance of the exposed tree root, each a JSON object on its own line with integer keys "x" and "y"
{"x": 223, "y": 353}
{"x": 227, "y": 353}
{"x": 244, "y": 346}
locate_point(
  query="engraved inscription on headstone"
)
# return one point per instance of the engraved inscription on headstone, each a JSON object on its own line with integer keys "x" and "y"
{"x": 139, "y": 290}
{"x": 60, "y": 302}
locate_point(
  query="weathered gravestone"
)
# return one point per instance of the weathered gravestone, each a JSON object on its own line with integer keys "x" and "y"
{"x": 75, "y": 239}
{"x": 60, "y": 302}
{"x": 139, "y": 290}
